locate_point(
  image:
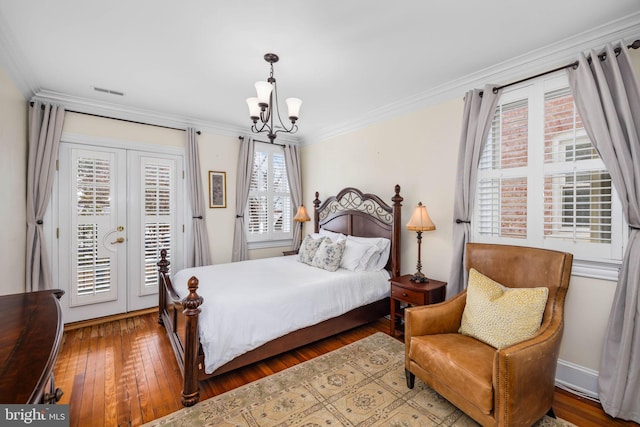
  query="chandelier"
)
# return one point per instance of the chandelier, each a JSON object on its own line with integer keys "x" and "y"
{"x": 265, "y": 106}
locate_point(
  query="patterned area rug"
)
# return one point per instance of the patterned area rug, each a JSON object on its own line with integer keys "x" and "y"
{"x": 361, "y": 384}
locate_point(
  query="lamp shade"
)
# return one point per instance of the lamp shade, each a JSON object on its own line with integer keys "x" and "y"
{"x": 301, "y": 215}
{"x": 254, "y": 108}
{"x": 263, "y": 90}
{"x": 293, "y": 104}
{"x": 420, "y": 220}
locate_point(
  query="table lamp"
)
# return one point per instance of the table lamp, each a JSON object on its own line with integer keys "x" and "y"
{"x": 301, "y": 216}
{"x": 420, "y": 222}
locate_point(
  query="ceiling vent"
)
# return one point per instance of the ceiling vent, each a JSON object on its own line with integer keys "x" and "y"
{"x": 109, "y": 91}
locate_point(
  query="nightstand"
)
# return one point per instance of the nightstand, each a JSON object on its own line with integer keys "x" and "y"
{"x": 405, "y": 293}
{"x": 285, "y": 253}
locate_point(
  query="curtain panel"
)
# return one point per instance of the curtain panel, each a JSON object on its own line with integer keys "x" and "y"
{"x": 45, "y": 129}
{"x": 243, "y": 182}
{"x": 479, "y": 107}
{"x": 199, "y": 245}
{"x": 292, "y": 160}
{"x": 607, "y": 95}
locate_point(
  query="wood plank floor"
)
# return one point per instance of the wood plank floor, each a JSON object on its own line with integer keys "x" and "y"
{"x": 123, "y": 373}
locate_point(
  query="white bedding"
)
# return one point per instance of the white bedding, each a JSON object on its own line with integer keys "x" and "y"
{"x": 248, "y": 303}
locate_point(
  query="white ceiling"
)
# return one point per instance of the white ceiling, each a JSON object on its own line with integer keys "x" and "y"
{"x": 350, "y": 61}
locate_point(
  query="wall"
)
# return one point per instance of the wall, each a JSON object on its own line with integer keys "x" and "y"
{"x": 13, "y": 182}
{"x": 419, "y": 152}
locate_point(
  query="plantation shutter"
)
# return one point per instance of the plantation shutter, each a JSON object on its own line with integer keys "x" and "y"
{"x": 282, "y": 210}
{"x": 93, "y": 186}
{"x": 158, "y": 178}
{"x": 577, "y": 187}
{"x": 502, "y": 187}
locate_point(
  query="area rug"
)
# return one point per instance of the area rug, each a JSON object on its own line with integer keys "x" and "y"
{"x": 361, "y": 384}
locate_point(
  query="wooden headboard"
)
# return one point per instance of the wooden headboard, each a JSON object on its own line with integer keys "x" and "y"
{"x": 355, "y": 213}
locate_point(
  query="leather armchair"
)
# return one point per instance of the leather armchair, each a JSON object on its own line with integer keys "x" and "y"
{"x": 513, "y": 386}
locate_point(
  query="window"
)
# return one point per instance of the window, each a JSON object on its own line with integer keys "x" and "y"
{"x": 540, "y": 180}
{"x": 269, "y": 210}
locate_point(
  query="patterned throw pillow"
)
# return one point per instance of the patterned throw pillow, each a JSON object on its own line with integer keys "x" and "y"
{"x": 501, "y": 316}
{"x": 329, "y": 255}
{"x": 308, "y": 249}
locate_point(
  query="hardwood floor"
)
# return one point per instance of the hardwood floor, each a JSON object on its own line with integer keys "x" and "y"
{"x": 123, "y": 373}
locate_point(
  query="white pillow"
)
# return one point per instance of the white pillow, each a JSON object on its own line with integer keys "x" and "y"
{"x": 332, "y": 235}
{"x": 356, "y": 255}
{"x": 378, "y": 262}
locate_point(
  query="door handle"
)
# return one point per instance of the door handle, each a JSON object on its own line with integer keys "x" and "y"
{"x": 118, "y": 240}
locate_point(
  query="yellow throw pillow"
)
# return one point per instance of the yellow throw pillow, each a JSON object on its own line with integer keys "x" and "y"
{"x": 501, "y": 316}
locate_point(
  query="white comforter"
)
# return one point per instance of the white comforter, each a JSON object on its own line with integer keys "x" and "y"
{"x": 251, "y": 302}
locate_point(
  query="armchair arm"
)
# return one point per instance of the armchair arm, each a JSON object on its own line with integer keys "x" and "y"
{"x": 525, "y": 372}
{"x": 441, "y": 318}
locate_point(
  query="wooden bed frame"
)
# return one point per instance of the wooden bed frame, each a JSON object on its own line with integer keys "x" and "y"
{"x": 349, "y": 212}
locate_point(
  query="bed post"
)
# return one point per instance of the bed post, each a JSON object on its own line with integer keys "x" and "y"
{"x": 163, "y": 269}
{"x": 397, "y": 219}
{"x": 316, "y": 214}
{"x": 191, "y": 304}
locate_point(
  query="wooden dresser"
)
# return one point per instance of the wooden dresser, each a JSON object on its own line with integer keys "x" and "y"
{"x": 31, "y": 336}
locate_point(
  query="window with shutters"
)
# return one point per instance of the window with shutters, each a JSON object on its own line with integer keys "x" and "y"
{"x": 269, "y": 212}
{"x": 540, "y": 180}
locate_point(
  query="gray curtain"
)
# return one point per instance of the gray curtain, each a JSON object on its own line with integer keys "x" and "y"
{"x": 243, "y": 180}
{"x": 479, "y": 109}
{"x": 45, "y": 129}
{"x": 292, "y": 160}
{"x": 199, "y": 246}
{"x": 607, "y": 95}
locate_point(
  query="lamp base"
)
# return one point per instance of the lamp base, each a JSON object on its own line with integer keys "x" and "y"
{"x": 418, "y": 277}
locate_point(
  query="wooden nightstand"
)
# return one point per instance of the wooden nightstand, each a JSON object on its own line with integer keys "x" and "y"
{"x": 285, "y": 253}
{"x": 405, "y": 293}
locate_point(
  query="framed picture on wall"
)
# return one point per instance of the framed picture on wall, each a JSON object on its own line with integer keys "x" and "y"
{"x": 217, "y": 189}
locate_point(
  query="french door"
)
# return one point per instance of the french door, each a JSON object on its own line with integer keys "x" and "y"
{"x": 117, "y": 208}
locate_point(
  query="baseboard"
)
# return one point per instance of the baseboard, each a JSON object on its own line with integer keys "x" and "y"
{"x": 100, "y": 320}
{"x": 577, "y": 379}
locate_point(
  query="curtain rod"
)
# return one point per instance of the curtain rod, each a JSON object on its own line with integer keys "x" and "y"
{"x": 122, "y": 120}
{"x": 634, "y": 45}
{"x": 241, "y": 138}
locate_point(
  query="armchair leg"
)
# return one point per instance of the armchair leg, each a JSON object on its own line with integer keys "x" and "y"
{"x": 411, "y": 378}
{"x": 550, "y": 413}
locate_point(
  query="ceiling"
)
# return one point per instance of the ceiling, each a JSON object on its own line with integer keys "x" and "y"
{"x": 195, "y": 61}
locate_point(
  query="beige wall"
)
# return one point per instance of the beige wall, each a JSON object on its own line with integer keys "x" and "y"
{"x": 13, "y": 181}
{"x": 419, "y": 152}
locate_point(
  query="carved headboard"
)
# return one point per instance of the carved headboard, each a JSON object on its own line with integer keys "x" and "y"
{"x": 355, "y": 213}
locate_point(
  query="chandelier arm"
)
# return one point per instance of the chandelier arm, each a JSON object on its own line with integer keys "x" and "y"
{"x": 264, "y": 128}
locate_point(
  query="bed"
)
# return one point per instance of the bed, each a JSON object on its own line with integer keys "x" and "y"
{"x": 191, "y": 323}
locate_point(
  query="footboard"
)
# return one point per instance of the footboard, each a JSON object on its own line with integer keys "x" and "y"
{"x": 180, "y": 319}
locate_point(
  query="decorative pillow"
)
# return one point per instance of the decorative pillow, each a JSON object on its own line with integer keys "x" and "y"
{"x": 308, "y": 249}
{"x": 356, "y": 255}
{"x": 501, "y": 316}
{"x": 329, "y": 254}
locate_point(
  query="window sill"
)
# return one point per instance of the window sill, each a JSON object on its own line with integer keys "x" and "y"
{"x": 596, "y": 269}
{"x": 269, "y": 244}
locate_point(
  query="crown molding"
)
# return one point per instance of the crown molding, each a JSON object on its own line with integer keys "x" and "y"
{"x": 530, "y": 63}
{"x": 122, "y": 112}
